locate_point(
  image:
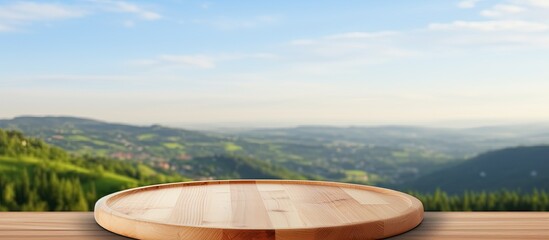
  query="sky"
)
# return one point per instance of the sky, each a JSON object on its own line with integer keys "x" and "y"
{"x": 276, "y": 62}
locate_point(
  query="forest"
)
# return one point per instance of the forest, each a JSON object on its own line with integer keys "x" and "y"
{"x": 502, "y": 200}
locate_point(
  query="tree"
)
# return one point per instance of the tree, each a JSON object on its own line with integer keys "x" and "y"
{"x": 8, "y": 195}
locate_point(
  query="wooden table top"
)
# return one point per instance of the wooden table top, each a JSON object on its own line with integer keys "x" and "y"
{"x": 268, "y": 209}
{"x": 441, "y": 226}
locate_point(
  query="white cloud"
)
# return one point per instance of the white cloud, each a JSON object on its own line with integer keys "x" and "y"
{"x": 242, "y": 56}
{"x": 468, "y": 3}
{"x": 535, "y": 3}
{"x": 492, "y": 26}
{"x": 18, "y": 14}
{"x": 4, "y": 28}
{"x": 502, "y": 10}
{"x": 225, "y": 23}
{"x": 302, "y": 42}
{"x": 21, "y": 13}
{"x": 514, "y": 28}
{"x": 131, "y": 8}
{"x": 126, "y": 7}
{"x": 198, "y": 60}
{"x": 362, "y": 35}
{"x": 29, "y": 11}
{"x": 346, "y": 52}
{"x": 507, "y": 24}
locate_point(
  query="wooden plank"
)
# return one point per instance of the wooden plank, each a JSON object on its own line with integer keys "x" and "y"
{"x": 436, "y": 225}
{"x": 281, "y": 210}
{"x": 217, "y": 208}
{"x": 188, "y": 209}
{"x": 52, "y": 225}
{"x": 248, "y": 208}
{"x": 481, "y": 225}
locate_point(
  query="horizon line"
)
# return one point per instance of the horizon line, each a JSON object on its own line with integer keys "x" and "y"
{"x": 441, "y": 124}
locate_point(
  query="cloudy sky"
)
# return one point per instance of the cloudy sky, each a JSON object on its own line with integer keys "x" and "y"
{"x": 302, "y": 62}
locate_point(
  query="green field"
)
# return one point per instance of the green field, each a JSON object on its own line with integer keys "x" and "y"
{"x": 232, "y": 147}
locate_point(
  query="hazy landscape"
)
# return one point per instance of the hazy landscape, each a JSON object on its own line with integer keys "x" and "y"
{"x": 445, "y": 100}
{"x": 95, "y": 158}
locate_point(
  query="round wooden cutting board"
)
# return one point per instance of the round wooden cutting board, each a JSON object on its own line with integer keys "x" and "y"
{"x": 259, "y": 210}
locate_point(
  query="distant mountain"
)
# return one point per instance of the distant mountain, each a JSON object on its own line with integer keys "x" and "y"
{"x": 457, "y": 143}
{"x": 523, "y": 168}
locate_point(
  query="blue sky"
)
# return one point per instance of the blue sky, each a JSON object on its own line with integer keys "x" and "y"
{"x": 267, "y": 62}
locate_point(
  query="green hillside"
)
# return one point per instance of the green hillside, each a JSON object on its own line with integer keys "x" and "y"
{"x": 35, "y": 176}
{"x": 523, "y": 168}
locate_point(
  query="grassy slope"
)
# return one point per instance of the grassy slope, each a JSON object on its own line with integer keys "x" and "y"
{"x": 105, "y": 183}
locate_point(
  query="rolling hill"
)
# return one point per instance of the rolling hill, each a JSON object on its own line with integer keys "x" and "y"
{"x": 368, "y": 155}
{"x": 519, "y": 168}
{"x": 330, "y": 153}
